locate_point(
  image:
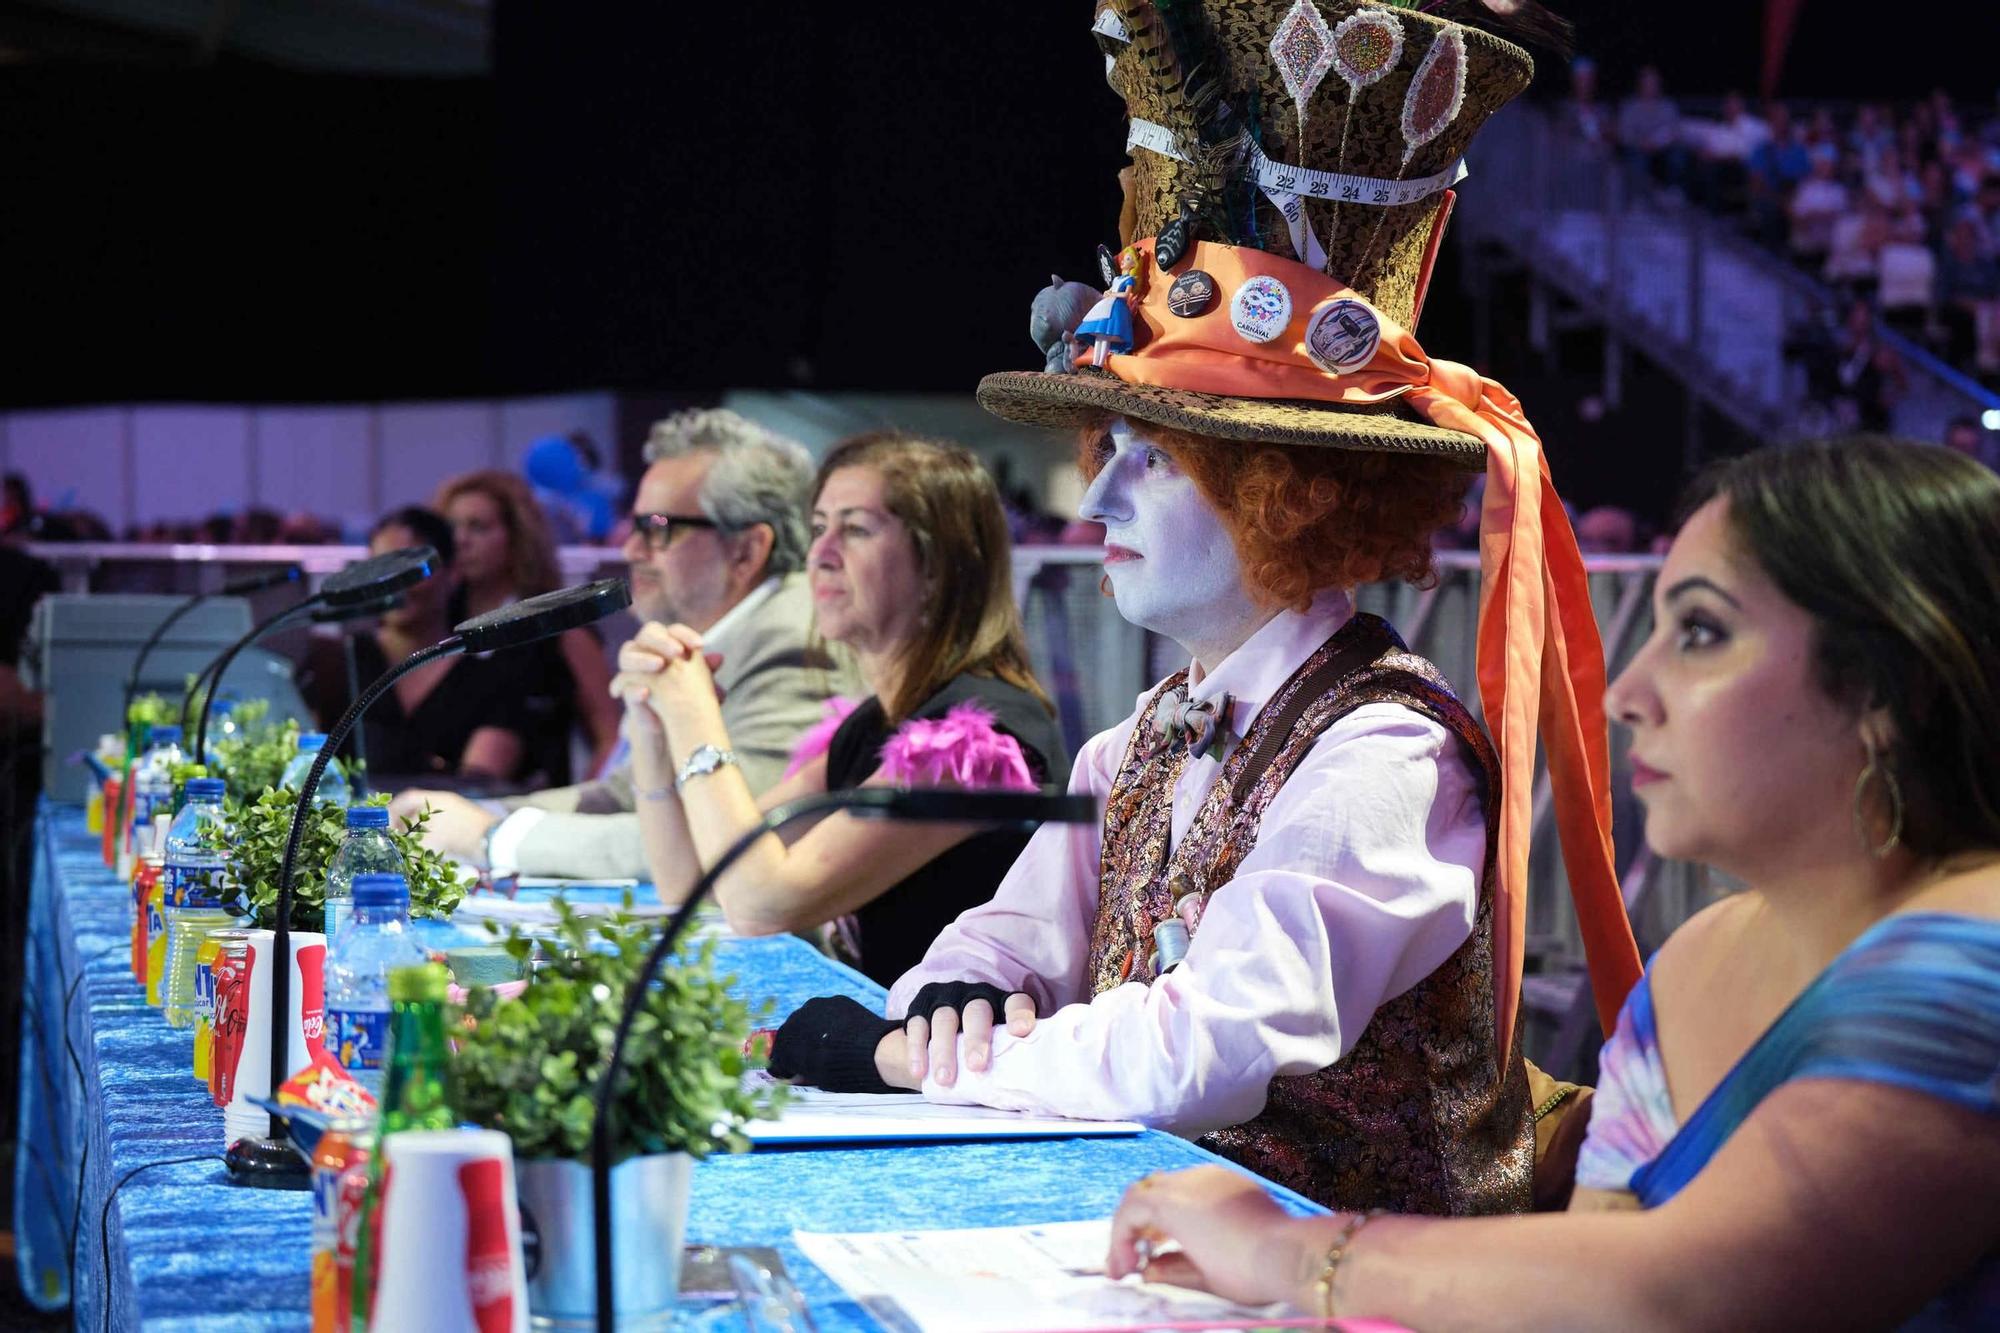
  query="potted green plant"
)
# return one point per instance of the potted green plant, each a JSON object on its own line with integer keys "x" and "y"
{"x": 529, "y": 1065}
{"x": 262, "y": 825}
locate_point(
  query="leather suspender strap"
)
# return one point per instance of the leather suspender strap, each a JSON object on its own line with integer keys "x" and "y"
{"x": 1371, "y": 638}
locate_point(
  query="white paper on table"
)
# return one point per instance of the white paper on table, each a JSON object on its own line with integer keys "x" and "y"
{"x": 1032, "y": 1279}
{"x": 493, "y": 907}
{"x": 813, "y": 1115}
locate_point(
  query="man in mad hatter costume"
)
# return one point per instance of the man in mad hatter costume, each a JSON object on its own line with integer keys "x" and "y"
{"x": 1298, "y": 932}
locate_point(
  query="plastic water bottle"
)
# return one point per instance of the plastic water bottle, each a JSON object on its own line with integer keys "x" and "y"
{"x": 332, "y": 789}
{"x": 375, "y": 942}
{"x": 197, "y": 892}
{"x": 153, "y": 785}
{"x": 221, "y": 727}
{"x": 366, "y": 850}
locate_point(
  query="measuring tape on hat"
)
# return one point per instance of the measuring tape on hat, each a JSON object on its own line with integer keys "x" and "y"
{"x": 1288, "y": 187}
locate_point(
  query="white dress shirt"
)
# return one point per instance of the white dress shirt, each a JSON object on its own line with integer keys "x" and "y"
{"x": 1364, "y": 878}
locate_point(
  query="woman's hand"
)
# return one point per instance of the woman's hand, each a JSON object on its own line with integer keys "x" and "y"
{"x": 1234, "y": 1239}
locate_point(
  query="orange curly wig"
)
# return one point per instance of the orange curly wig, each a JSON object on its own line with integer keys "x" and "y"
{"x": 1305, "y": 518}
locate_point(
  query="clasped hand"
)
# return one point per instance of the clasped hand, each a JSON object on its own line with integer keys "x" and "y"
{"x": 668, "y": 668}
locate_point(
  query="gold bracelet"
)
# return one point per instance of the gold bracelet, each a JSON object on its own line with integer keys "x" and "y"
{"x": 1330, "y": 1267}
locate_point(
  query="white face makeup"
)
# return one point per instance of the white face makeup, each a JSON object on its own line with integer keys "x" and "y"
{"x": 1172, "y": 566}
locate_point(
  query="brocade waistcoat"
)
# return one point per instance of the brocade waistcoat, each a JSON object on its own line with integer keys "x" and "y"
{"x": 1417, "y": 1115}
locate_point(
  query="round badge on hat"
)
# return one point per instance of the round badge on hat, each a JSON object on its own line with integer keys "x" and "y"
{"x": 1192, "y": 294}
{"x": 1261, "y": 309}
{"x": 1342, "y": 335}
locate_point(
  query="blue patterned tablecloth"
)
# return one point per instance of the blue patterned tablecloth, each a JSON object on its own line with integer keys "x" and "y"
{"x": 106, "y": 1090}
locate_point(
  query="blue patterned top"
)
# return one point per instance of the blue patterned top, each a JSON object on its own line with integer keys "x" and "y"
{"x": 1914, "y": 1003}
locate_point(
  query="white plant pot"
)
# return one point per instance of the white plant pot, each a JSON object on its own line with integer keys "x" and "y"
{"x": 649, "y": 1205}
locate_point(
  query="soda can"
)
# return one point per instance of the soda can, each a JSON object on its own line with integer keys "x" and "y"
{"x": 339, "y": 1148}
{"x": 148, "y": 874}
{"x": 156, "y": 938}
{"x": 349, "y": 1195}
{"x": 451, "y": 1234}
{"x": 114, "y": 802}
{"x": 232, "y": 1014}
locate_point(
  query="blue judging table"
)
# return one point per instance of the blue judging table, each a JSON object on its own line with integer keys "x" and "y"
{"x": 106, "y": 1091}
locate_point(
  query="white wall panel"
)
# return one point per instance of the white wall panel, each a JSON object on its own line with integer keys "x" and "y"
{"x": 317, "y": 460}
{"x": 190, "y": 461}
{"x": 423, "y": 443}
{"x": 75, "y": 459}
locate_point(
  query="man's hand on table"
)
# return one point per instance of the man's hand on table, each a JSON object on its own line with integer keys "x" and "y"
{"x": 831, "y": 1042}
{"x": 457, "y": 827}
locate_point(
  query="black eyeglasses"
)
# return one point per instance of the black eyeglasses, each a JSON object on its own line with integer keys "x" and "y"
{"x": 658, "y": 529}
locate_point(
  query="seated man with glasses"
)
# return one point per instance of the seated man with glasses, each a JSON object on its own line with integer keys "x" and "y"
{"x": 718, "y": 543}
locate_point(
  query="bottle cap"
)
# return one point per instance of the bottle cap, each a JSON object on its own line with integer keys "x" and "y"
{"x": 205, "y": 789}
{"x": 381, "y": 891}
{"x": 166, "y": 734}
{"x": 428, "y": 984}
{"x": 308, "y": 741}
{"x": 368, "y": 816}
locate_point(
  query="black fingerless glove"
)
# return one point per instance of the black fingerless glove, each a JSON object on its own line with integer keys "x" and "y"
{"x": 830, "y": 1043}
{"x": 955, "y": 995}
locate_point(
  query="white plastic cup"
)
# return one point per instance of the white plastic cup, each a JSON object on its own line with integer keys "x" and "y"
{"x": 242, "y": 1118}
{"x": 451, "y": 1235}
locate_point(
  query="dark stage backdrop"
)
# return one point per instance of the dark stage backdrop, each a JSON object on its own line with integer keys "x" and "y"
{"x": 686, "y": 196}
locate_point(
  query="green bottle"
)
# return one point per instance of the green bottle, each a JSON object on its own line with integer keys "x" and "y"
{"x": 416, "y": 1094}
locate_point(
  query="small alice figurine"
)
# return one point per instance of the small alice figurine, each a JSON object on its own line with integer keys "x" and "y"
{"x": 1107, "y": 329}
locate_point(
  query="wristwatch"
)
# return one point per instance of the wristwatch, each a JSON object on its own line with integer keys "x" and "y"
{"x": 705, "y": 759}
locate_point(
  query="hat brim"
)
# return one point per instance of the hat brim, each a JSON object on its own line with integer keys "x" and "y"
{"x": 1035, "y": 398}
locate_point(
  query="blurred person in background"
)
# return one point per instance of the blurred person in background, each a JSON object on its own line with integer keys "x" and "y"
{"x": 716, "y": 541}
{"x": 1962, "y": 435}
{"x": 1649, "y": 129}
{"x": 505, "y": 554}
{"x": 462, "y": 716}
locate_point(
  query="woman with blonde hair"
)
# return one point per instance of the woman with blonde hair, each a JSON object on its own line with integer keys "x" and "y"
{"x": 504, "y": 554}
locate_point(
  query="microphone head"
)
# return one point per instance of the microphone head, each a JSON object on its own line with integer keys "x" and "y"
{"x": 334, "y": 615}
{"x": 956, "y": 805}
{"x": 269, "y": 578}
{"x": 378, "y": 576}
{"x": 544, "y": 616}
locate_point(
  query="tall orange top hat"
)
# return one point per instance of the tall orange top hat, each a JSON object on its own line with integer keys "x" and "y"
{"x": 1292, "y": 172}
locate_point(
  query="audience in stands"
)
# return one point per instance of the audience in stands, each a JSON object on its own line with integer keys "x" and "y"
{"x": 1901, "y": 208}
{"x": 1801, "y": 1099}
{"x": 504, "y": 554}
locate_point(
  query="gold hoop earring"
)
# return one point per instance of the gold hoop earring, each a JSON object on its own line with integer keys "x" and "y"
{"x": 1104, "y": 585}
{"x": 1875, "y": 767}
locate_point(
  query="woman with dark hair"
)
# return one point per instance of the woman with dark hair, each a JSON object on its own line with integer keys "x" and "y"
{"x": 910, "y": 571}
{"x": 505, "y": 553}
{"x": 456, "y": 715}
{"x": 1802, "y": 1093}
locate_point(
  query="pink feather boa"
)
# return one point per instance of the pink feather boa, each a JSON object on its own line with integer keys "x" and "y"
{"x": 820, "y": 734}
{"x": 964, "y": 748}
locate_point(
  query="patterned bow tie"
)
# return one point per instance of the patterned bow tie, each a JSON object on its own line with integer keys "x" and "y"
{"x": 1179, "y": 720}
